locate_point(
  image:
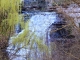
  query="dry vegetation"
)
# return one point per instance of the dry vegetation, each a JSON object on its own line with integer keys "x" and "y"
{"x": 68, "y": 49}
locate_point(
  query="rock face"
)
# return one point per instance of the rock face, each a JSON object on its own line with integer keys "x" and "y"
{"x": 72, "y": 11}
{"x": 57, "y": 31}
{"x": 33, "y": 5}
{"x": 68, "y": 48}
{"x": 64, "y": 44}
{"x": 30, "y": 2}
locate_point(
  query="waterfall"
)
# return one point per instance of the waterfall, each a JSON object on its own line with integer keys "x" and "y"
{"x": 39, "y": 22}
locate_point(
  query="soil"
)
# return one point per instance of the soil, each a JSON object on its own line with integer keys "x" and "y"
{"x": 3, "y": 46}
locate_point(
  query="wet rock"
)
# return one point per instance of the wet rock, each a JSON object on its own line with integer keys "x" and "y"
{"x": 70, "y": 36}
{"x": 73, "y": 5}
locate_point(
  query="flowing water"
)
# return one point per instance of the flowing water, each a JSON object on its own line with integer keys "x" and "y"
{"x": 39, "y": 23}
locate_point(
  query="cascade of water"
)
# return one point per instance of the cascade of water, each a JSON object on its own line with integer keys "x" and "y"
{"x": 38, "y": 24}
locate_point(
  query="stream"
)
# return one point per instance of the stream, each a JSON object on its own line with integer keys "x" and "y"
{"x": 39, "y": 23}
